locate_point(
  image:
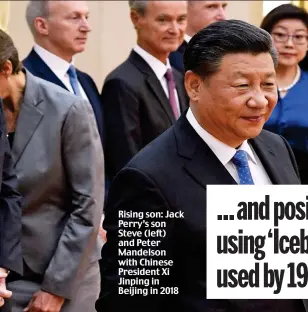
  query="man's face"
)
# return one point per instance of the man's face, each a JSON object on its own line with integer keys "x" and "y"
{"x": 234, "y": 103}
{"x": 161, "y": 29}
{"x": 203, "y": 13}
{"x": 68, "y": 25}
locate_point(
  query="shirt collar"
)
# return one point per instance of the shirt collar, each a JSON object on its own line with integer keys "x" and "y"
{"x": 222, "y": 151}
{"x": 56, "y": 64}
{"x": 187, "y": 38}
{"x": 157, "y": 66}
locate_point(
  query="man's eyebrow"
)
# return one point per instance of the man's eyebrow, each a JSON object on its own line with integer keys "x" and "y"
{"x": 270, "y": 75}
{"x": 245, "y": 74}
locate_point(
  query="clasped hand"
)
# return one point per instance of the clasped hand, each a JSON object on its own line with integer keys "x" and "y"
{"x": 44, "y": 302}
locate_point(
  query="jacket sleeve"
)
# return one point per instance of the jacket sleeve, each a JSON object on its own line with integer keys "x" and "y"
{"x": 84, "y": 164}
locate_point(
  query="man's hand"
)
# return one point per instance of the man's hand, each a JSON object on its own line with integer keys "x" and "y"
{"x": 44, "y": 302}
{"x": 4, "y": 293}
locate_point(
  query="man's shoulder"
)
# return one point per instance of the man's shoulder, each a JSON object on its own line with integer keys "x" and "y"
{"x": 277, "y": 144}
{"x": 33, "y": 61}
{"x": 127, "y": 73}
{"x": 84, "y": 75}
{"x": 158, "y": 156}
{"x": 54, "y": 94}
{"x": 271, "y": 138}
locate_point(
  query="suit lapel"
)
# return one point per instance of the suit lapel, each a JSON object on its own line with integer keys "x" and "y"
{"x": 39, "y": 68}
{"x": 93, "y": 97}
{"x": 305, "y": 301}
{"x": 85, "y": 86}
{"x": 269, "y": 160}
{"x": 28, "y": 119}
{"x": 200, "y": 162}
{"x": 206, "y": 168}
{"x": 153, "y": 84}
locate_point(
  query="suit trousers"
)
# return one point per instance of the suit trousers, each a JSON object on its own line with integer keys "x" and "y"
{"x": 84, "y": 298}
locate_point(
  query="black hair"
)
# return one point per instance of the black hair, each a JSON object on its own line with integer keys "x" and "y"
{"x": 206, "y": 49}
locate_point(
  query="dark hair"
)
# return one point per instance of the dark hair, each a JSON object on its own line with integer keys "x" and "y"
{"x": 284, "y": 11}
{"x": 9, "y": 52}
{"x": 206, "y": 49}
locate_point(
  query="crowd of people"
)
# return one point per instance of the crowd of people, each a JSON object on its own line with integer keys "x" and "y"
{"x": 200, "y": 100}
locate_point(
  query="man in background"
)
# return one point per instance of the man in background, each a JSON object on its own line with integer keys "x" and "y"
{"x": 200, "y": 14}
{"x": 60, "y": 31}
{"x": 144, "y": 96}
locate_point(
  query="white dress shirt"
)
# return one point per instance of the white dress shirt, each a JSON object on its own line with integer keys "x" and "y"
{"x": 160, "y": 70}
{"x": 59, "y": 67}
{"x": 225, "y": 153}
{"x": 187, "y": 38}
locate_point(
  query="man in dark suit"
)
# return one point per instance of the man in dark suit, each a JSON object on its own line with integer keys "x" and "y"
{"x": 144, "y": 96}
{"x": 10, "y": 216}
{"x": 60, "y": 30}
{"x": 232, "y": 90}
{"x": 200, "y": 14}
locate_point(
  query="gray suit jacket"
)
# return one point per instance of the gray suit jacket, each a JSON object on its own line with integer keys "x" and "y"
{"x": 59, "y": 164}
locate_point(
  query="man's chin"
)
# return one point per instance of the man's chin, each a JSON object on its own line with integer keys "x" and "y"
{"x": 254, "y": 133}
{"x": 80, "y": 49}
{"x": 171, "y": 48}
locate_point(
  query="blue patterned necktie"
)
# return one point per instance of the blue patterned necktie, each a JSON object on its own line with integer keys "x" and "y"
{"x": 240, "y": 160}
{"x": 74, "y": 80}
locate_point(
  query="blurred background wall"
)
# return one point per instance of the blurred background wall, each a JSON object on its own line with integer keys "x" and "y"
{"x": 112, "y": 35}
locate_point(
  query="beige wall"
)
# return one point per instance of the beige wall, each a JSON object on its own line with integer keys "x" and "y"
{"x": 112, "y": 34}
{"x": 249, "y": 11}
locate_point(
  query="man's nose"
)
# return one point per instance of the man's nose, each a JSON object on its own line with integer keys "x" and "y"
{"x": 221, "y": 14}
{"x": 258, "y": 100}
{"x": 85, "y": 26}
{"x": 174, "y": 27}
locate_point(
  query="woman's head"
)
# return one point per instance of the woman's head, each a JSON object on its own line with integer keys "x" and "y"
{"x": 10, "y": 64}
{"x": 288, "y": 26}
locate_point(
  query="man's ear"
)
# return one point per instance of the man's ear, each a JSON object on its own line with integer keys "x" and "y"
{"x": 193, "y": 83}
{"x": 41, "y": 26}
{"x": 135, "y": 18}
{"x": 7, "y": 68}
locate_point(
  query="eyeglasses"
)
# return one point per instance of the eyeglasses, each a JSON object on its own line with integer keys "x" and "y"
{"x": 283, "y": 38}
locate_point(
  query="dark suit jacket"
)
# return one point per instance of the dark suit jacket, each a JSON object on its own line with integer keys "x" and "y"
{"x": 172, "y": 174}
{"x": 39, "y": 68}
{"x": 176, "y": 57}
{"x": 10, "y": 207}
{"x": 137, "y": 110}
